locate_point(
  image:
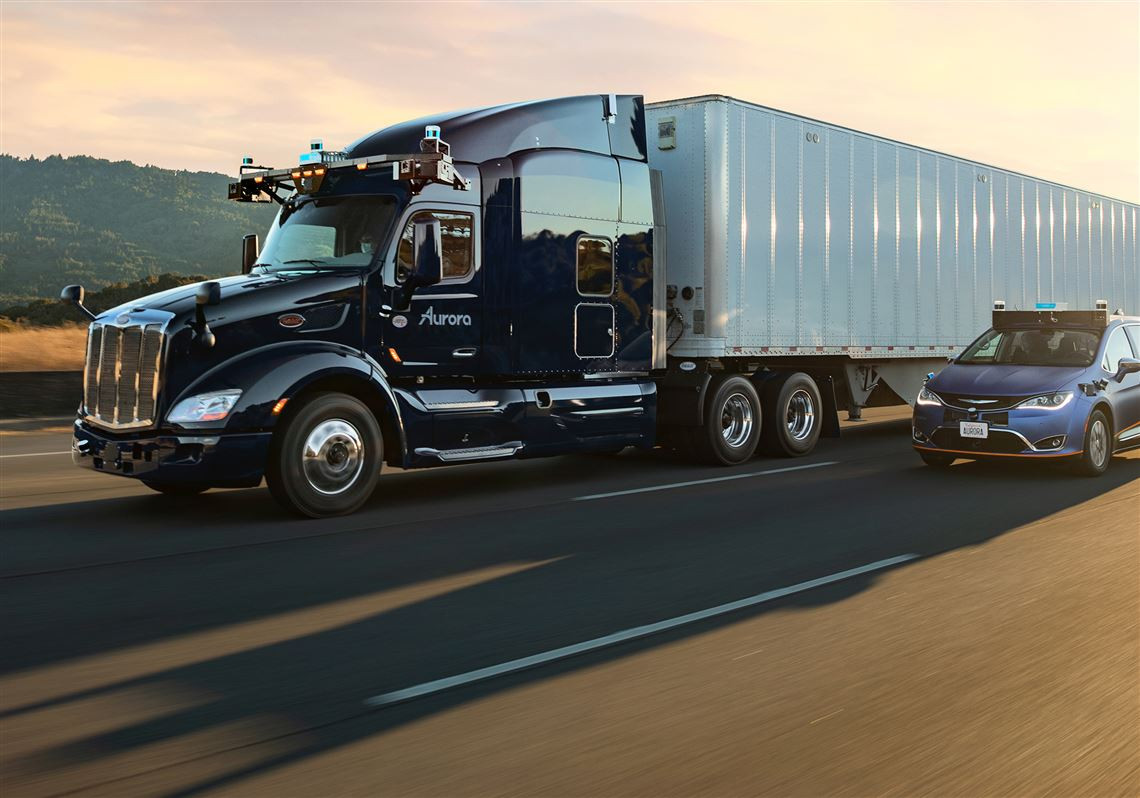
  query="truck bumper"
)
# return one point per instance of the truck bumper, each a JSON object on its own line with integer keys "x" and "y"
{"x": 219, "y": 460}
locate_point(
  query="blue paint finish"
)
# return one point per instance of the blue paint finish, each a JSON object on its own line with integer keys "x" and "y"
{"x": 542, "y": 175}
{"x": 1010, "y": 384}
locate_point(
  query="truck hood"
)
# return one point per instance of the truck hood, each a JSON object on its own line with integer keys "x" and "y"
{"x": 249, "y": 317}
{"x": 1003, "y": 380}
{"x": 245, "y": 295}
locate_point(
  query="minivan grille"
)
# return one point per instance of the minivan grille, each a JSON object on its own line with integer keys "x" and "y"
{"x": 120, "y": 380}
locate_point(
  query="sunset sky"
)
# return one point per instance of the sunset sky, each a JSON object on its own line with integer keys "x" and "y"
{"x": 1050, "y": 89}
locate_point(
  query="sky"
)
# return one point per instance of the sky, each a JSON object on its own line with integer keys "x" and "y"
{"x": 1048, "y": 89}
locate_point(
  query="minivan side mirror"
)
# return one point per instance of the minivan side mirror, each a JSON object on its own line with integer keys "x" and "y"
{"x": 250, "y": 249}
{"x": 1126, "y": 366}
{"x": 427, "y": 260}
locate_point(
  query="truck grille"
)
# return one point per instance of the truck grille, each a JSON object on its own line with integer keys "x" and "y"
{"x": 120, "y": 380}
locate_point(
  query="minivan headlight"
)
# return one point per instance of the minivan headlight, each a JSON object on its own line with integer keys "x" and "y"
{"x": 927, "y": 397}
{"x": 204, "y": 407}
{"x": 1049, "y": 401}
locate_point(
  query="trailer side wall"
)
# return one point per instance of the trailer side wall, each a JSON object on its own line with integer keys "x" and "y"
{"x": 798, "y": 238}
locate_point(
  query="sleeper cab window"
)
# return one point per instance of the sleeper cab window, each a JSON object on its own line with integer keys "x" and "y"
{"x": 455, "y": 233}
{"x": 595, "y": 266}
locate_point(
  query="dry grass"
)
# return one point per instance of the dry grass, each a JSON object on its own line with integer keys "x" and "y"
{"x": 42, "y": 348}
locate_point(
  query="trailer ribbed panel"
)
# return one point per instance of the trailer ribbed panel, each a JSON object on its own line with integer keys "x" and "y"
{"x": 799, "y": 237}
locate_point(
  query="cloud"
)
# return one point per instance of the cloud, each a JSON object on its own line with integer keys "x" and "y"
{"x": 1036, "y": 88}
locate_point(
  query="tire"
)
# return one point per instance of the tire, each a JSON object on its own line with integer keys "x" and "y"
{"x": 345, "y": 452}
{"x": 1097, "y": 452}
{"x": 177, "y": 488}
{"x": 732, "y": 425}
{"x": 936, "y": 460}
{"x": 793, "y": 409}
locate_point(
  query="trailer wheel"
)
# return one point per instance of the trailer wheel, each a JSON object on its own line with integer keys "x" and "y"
{"x": 732, "y": 424}
{"x": 793, "y": 409}
{"x": 326, "y": 460}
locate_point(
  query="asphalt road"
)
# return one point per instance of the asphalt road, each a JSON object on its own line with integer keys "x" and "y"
{"x": 988, "y": 643}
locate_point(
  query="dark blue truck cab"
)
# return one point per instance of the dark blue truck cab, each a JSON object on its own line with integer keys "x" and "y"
{"x": 407, "y": 308}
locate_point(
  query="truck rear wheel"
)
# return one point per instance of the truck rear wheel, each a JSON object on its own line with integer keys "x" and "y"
{"x": 732, "y": 424}
{"x": 326, "y": 460}
{"x": 793, "y": 409}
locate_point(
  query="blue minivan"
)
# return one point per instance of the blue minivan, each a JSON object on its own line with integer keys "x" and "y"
{"x": 1043, "y": 384}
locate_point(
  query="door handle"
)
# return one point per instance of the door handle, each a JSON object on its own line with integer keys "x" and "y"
{"x": 464, "y": 351}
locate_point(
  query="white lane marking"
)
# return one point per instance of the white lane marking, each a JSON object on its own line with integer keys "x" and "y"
{"x": 672, "y": 485}
{"x": 438, "y": 685}
{"x": 31, "y": 454}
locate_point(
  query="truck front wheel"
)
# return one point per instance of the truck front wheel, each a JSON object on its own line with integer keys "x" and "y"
{"x": 326, "y": 460}
{"x": 792, "y": 408}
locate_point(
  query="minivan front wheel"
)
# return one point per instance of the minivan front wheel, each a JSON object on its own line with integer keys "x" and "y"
{"x": 326, "y": 460}
{"x": 1094, "y": 459}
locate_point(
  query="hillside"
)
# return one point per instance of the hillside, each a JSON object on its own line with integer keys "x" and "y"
{"x": 97, "y": 222}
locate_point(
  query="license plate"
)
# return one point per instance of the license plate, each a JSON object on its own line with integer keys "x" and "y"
{"x": 973, "y": 429}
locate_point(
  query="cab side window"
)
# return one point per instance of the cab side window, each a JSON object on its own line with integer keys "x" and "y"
{"x": 595, "y": 266}
{"x": 456, "y": 237}
{"x": 1116, "y": 348}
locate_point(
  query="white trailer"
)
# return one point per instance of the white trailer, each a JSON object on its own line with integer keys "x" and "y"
{"x": 792, "y": 238}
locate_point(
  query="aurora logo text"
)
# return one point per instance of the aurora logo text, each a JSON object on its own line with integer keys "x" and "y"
{"x": 438, "y": 319}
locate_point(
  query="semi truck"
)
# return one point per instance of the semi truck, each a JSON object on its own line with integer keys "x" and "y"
{"x": 579, "y": 274}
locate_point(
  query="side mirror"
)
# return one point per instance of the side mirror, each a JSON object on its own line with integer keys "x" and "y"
{"x": 208, "y": 293}
{"x": 250, "y": 249}
{"x": 73, "y": 295}
{"x": 427, "y": 260}
{"x": 1126, "y": 366}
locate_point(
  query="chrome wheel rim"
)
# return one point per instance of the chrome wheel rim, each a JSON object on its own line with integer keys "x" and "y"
{"x": 333, "y": 456}
{"x": 1098, "y": 443}
{"x": 801, "y": 415}
{"x": 736, "y": 420}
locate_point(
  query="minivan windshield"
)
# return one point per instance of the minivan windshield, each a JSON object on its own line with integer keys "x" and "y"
{"x": 1034, "y": 347}
{"x": 328, "y": 233}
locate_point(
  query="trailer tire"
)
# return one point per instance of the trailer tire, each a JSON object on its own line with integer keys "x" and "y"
{"x": 793, "y": 409}
{"x": 326, "y": 458}
{"x": 731, "y": 431}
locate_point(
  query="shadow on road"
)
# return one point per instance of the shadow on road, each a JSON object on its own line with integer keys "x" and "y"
{"x": 572, "y": 572}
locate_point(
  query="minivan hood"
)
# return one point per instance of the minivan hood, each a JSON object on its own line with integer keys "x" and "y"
{"x": 1003, "y": 380}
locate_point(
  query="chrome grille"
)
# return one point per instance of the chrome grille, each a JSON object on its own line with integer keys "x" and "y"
{"x": 122, "y": 374}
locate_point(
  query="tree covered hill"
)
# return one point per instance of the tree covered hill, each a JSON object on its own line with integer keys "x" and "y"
{"x": 97, "y": 222}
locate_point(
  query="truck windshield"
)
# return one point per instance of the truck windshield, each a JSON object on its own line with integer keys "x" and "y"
{"x": 1035, "y": 347}
{"x": 328, "y": 233}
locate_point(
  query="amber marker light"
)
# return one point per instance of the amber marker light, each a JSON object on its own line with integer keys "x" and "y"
{"x": 362, "y": 166}
{"x": 395, "y": 355}
{"x": 280, "y": 405}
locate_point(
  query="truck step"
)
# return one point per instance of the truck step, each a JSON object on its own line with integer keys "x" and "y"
{"x": 479, "y": 453}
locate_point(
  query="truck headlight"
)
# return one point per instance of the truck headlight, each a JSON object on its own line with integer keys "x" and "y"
{"x": 928, "y": 397}
{"x": 204, "y": 407}
{"x": 1049, "y": 401}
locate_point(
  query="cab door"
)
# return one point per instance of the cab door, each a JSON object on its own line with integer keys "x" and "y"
{"x": 441, "y": 331}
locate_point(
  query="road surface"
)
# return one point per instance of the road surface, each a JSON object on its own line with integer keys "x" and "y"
{"x": 859, "y": 625}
